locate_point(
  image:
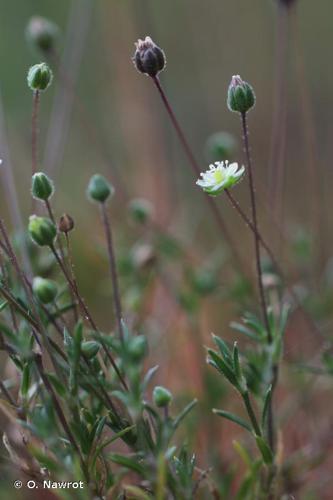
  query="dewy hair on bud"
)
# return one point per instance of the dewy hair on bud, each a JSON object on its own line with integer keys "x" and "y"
{"x": 241, "y": 96}
{"x": 39, "y": 77}
{"x": 148, "y": 57}
{"x": 42, "y": 187}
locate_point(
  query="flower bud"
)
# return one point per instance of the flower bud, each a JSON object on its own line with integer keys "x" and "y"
{"x": 99, "y": 189}
{"x": 42, "y": 187}
{"x": 148, "y": 57}
{"x": 241, "y": 96}
{"x": 66, "y": 223}
{"x": 90, "y": 348}
{"x": 42, "y": 34}
{"x": 161, "y": 396}
{"x": 42, "y": 230}
{"x": 137, "y": 348}
{"x": 140, "y": 210}
{"x": 39, "y": 77}
{"x": 45, "y": 290}
{"x": 220, "y": 146}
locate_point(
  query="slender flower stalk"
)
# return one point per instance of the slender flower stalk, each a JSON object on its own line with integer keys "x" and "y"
{"x": 34, "y": 131}
{"x": 196, "y": 168}
{"x": 149, "y": 59}
{"x": 113, "y": 270}
{"x": 71, "y": 269}
{"x": 86, "y": 313}
{"x": 255, "y": 225}
{"x": 39, "y": 78}
{"x": 100, "y": 190}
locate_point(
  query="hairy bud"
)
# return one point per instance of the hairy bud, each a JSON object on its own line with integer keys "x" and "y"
{"x": 241, "y": 96}
{"x": 42, "y": 230}
{"x": 148, "y": 57}
{"x": 45, "y": 290}
{"x": 161, "y": 396}
{"x": 42, "y": 187}
{"x": 39, "y": 77}
{"x": 99, "y": 189}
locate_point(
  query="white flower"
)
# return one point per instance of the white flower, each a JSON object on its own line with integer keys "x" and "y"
{"x": 220, "y": 176}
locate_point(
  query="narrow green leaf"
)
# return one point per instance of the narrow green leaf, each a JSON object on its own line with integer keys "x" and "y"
{"x": 267, "y": 399}
{"x": 25, "y": 382}
{"x": 236, "y": 363}
{"x": 129, "y": 463}
{"x": 234, "y": 418}
{"x": 246, "y": 331}
{"x": 224, "y": 350}
{"x": 265, "y": 450}
{"x": 184, "y": 413}
{"x": 220, "y": 364}
{"x": 3, "y": 305}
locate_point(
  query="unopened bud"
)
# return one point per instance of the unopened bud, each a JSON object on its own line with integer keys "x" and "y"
{"x": 42, "y": 34}
{"x": 90, "y": 348}
{"x": 39, "y": 77}
{"x": 42, "y": 230}
{"x": 137, "y": 348}
{"x": 45, "y": 290}
{"x": 140, "y": 210}
{"x": 148, "y": 57}
{"x": 42, "y": 187}
{"x": 99, "y": 189}
{"x": 161, "y": 396}
{"x": 66, "y": 223}
{"x": 241, "y": 96}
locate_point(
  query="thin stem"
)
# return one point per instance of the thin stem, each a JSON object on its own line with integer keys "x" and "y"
{"x": 275, "y": 263}
{"x": 196, "y": 168}
{"x": 113, "y": 271}
{"x": 255, "y": 225}
{"x": 62, "y": 253}
{"x": 251, "y": 413}
{"x": 86, "y": 313}
{"x": 52, "y": 217}
{"x": 71, "y": 270}
{"x": 259, "y": 271}
{"x": 34, "y": 131}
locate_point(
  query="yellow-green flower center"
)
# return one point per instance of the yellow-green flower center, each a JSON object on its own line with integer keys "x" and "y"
{"x": 219, "y": 176}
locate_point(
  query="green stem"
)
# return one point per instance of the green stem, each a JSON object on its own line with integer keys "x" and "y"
{"x": 113, "y": 271}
